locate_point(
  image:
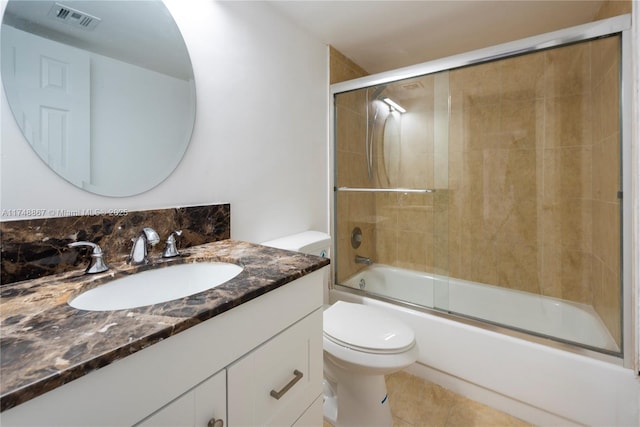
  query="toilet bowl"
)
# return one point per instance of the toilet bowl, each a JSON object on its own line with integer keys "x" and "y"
{"x": 361, "y": 345}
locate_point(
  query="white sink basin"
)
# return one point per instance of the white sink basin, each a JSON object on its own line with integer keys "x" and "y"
{"x": 156, "y": 286}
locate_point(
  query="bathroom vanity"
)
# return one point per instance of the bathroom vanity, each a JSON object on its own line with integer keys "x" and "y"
{"x": 248, "y": 352}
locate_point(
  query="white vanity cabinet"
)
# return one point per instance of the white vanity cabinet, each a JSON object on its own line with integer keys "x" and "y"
{"x": 274, "y": 384}
{"x": 228, "y": 363}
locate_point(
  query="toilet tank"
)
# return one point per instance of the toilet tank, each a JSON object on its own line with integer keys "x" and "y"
{"x": 308, "y": 242}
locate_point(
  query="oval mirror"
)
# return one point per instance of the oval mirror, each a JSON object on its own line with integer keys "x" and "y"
{"x": 102, "y": 90}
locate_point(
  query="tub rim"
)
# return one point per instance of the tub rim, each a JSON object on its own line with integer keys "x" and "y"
{"x": 604, "y": 355}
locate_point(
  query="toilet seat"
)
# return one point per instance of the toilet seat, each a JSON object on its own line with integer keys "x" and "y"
{"x": 366, "y": 329}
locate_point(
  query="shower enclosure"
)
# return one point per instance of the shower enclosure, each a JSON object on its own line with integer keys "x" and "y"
{"x": 489, "y": 186}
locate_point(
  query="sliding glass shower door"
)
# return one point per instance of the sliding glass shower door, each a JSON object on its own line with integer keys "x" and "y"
{"x": 498, "y": 184}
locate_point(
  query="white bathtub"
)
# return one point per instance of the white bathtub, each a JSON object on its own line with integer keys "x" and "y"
{"x": 538, "y": 383}
{"x": 568, "y": 321}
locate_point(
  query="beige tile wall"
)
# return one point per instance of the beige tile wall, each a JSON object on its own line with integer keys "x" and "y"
{"x": 342, "y": 68}
{"x": 605, "y": 205}
{"x": 405, "y": 235}
{"x": 534, "y": 174}
{"x": 613, "y": 8}
{"x": 606, "y": 156}
{"x": 353, "y": 209}
{"x": 496, "y": 136}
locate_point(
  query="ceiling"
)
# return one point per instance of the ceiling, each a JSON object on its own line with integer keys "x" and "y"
{"x": 385, "y": 35}
{"x": 378, "y": 35}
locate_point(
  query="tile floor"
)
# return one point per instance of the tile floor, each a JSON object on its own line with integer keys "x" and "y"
{"x": 415, "y": 402}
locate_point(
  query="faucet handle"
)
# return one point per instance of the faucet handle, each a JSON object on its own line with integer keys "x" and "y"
{"x": 151, "y": 235}
{"x": 97, "y": 264}
{"x": 170, "y": 249}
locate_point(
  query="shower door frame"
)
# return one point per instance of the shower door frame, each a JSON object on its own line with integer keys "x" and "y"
{"x": 631, "y": 199}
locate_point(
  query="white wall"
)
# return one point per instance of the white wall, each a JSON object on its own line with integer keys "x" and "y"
{"x": 260, "y": 137}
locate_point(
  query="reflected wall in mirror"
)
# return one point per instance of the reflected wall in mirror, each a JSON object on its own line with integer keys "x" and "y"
{"x": 103, "y": 91}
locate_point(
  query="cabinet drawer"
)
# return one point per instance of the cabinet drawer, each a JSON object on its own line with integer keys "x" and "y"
{"x": 205, "y": 402}
{"x": 278, "y": 381}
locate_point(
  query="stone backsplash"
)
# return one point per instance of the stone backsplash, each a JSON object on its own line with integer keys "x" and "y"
{"x": 38, "y": 247}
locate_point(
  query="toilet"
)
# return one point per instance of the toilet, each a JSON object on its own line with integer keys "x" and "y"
{"x": 361, "y": 345}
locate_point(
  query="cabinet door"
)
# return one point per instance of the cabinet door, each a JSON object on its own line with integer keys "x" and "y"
{"x": 178, "y": 413}
{"x": 278, "y": 381}
{"x": 211, "y": 401}
{"x": 203, "y": 403}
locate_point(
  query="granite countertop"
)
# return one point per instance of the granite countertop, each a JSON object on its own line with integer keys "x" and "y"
{"x": 45, "y": 343}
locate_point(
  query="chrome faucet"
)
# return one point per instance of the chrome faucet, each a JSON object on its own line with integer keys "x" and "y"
{"x": 139, "y": 250}
{"x": 363, "y": 260}
{"x": 170, "y": 249}
{"x": 97, "y": 264}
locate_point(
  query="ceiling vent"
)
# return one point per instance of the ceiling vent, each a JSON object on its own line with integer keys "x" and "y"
{"x": 412, "y": 86}
{"x": 73, "y": 17}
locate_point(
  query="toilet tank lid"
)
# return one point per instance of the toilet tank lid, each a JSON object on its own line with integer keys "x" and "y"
{"x": 307, "y": 241}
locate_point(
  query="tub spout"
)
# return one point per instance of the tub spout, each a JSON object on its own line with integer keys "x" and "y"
{"x": 363, "y": 260}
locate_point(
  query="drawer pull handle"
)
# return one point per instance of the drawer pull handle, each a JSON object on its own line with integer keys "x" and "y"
{"x": 215, "y": 423}
{"x": 278, "y": 394}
